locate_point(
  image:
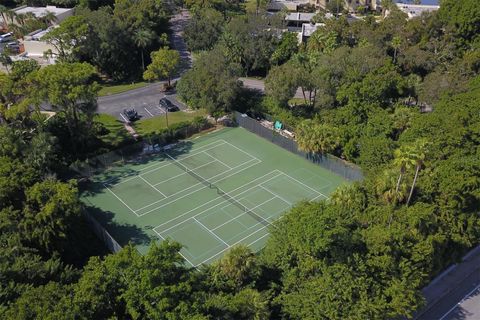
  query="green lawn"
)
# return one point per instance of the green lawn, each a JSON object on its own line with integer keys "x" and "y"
{"x": 115, "y": 133}
{"x": 109, "y": 89}
{"x": 157, "y": 123}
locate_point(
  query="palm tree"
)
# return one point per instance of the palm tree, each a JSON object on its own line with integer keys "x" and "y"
{"x": 316, "y": 138}
{"x": 420, "y": 150}
{"x": 142, "y": 39}
{"x": 404, "y": 159}
{"x": 396, "y": 43}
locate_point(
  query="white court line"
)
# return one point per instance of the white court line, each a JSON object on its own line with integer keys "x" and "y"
{"x": 234, "y": 146}
{"x": 151, "y": 185}
{"x": 148, "y": 112}
{"x": 266, "y": 235}
{"x": 233, "y": 244}
{"x": 163, "y": 166}
{"x": 204, "y": 187}
{"x": 209, "y": 208}
{"x": 148, "y": 205}
{"x": 461, "y": 301}
{"x": 220, "y": 197}
{"x": 303, "y": 184}
{"x": 158, "y": 234}
{"x": 184, "y": 173}
{"x": 320, "y": 195}
{"x": 126, "y": 205}
{"x": 210, "y": 231}
{"x": 242, "y": 214}
{"x": 276, "y": 195}
{"x": 226, "y": 165}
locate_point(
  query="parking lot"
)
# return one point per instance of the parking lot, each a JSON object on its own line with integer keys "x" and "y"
{"x": 144, "y": 100}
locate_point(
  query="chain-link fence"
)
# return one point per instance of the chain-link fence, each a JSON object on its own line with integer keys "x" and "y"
{"x": 343, "y": 168}
{"x": 150, "y": 144}
{"x": 102, "y": 233}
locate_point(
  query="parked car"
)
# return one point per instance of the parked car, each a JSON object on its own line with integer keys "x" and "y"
{"x": 168, "y": 105}
{"x": 131, "y": 114}
{"x": 13, "y": 47}
{"x": 7, "y": 37}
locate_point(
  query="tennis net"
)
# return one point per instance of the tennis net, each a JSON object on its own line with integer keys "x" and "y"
{"x": 191, "y": 172}
{"x": 232, "y": 200}
{"x": 225, "y": 195}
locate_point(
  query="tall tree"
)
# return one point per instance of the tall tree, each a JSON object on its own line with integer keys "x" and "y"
{"x": 70, "y": 89}
{"x": 419, "y": 149}
{"x": 164, "y": 64}
{"x": 143, "y": 38}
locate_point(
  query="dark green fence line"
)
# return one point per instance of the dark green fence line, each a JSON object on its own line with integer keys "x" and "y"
{"x": 150, "y": 144}
{"x": 341, "y": 167}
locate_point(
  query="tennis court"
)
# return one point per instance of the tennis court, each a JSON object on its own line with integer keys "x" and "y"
{"x": 209, "y": 194}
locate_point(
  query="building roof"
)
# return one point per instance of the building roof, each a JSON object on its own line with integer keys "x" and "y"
{"x": 41, "y": 11}
{"x": 415, "y": 10}
{"x": 299, "y": 16}
{"x": 308, "y": 28}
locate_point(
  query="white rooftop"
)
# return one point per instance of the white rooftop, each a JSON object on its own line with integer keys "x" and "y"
{"x": 41, "y": 11}
{"x": 299, "y": 16}
{"x": 308, "y": 28}
{"x": 415, "y": 10}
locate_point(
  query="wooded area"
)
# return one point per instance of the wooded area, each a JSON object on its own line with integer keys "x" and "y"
{"x": 364, "y": 254}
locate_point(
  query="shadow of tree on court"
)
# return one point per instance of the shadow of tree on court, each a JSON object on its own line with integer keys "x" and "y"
{"x": 131, "y": 168}
{"x": 122, "y": 233}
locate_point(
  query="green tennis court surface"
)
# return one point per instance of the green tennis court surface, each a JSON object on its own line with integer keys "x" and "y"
{"x": 209, "y": 194}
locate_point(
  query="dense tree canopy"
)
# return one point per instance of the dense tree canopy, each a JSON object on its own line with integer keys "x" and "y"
{"x": 401, "y": 98}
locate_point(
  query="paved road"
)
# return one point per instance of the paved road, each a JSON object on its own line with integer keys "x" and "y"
{"x": 463, "y": 303}
{"x": 455, "y": 295}
{"x": 145, "y": 100}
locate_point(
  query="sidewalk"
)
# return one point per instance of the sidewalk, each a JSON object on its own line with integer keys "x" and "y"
{"x": 446, "y": 290}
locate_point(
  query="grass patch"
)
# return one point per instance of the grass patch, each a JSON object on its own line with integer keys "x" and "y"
{"x": 109, "y": 89}
{"x": 155, "y": 124}
{"x": 114, "y": 133}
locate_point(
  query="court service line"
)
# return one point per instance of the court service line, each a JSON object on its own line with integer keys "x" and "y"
{"x": 226, "y": 165}
{"x": 209, "y": 208}
{"x": 276, "y": 195}
{"x": 210, "y": 231}
{"x": 223, "y": 172}
{"x": 151, "y": 185}
{"x": 320, "y": 195}
{"x": 220, "y": 197}
{"x": 305, "y": 185}
{"x": 184, "y": 173}
{"x": 181, "y": 197}
{"x": 241, "y": 240}
{"x": 126, "y": 205}
{"x": 164, "y": 165}
{"x": 148, "y": 205}
{"x": 222, "y": 251}
{"x": 158, "y": 234}
{"x": 242, "y": 214}
{"x": 234, "y": 146}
